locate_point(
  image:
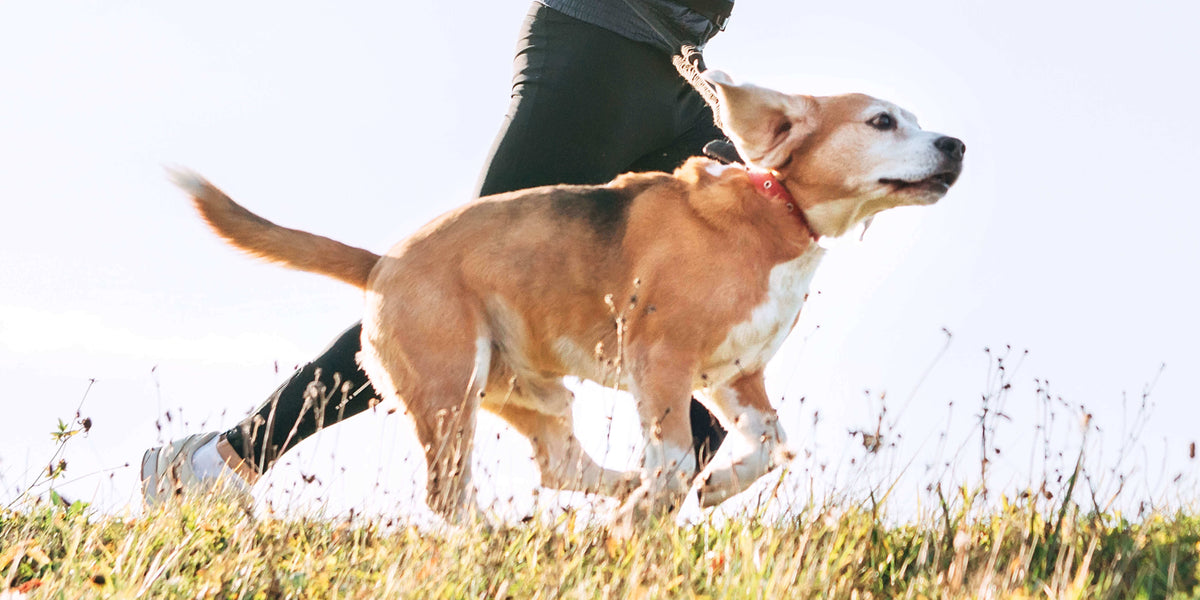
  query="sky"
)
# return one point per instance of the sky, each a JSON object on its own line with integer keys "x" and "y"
{"x": 1070, "y": 233}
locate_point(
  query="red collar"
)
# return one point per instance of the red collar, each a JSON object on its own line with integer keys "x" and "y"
{"x": 768, "y": 186}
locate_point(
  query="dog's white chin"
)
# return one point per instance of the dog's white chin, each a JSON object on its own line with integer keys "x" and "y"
{"x": 919, "y": 194}
{"x": 935, "y": 195}
{"x": 919, "y": 198}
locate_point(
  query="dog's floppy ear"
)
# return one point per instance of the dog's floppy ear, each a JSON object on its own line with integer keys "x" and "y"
{"x": 765, "y": 125}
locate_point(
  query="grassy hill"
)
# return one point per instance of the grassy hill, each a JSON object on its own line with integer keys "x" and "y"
{"x": 207, "y": 549}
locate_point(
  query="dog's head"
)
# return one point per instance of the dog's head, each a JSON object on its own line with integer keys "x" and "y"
{"x": 844, "y": 158}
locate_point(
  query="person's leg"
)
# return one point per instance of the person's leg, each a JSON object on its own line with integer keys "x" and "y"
{"x": 325, "y": 391}
{"x": 587, "y": 106}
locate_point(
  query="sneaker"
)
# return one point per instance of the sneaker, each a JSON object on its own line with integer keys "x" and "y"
{"x": 172, "y": 470}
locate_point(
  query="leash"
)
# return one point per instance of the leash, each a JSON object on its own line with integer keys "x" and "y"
{"x": 689, "y": 62}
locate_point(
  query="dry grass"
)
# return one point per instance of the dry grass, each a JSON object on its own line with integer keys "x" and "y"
{"x": 206, "y": 548}
{"x": 1059, "y": 538}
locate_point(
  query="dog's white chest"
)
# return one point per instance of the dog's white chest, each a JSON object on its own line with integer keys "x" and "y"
{"x": 751, "y": 343}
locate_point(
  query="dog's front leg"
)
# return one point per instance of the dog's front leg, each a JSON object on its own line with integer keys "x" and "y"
{"x": 742, "y": 406}
{"x": 662, "y": 390}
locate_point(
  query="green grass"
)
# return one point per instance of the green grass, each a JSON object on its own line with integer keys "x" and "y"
{"x": 1060, "y": 538}
{"x": 208, "y": 549}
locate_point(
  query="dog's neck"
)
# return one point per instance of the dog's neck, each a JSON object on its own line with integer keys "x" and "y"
{"x": 768, "y": 185}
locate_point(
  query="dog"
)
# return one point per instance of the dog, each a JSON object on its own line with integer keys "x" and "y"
{"x": 664, "y": 285}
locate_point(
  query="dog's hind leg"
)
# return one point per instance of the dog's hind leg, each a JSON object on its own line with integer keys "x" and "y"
{"x": 426, "y": 346}
{"x": 447, "y": 442}
{"x": 442, "y": 394}
{"x": 449, "y": 437}
{"x": 742, "y": 406}
{"x": 543, "y": 415}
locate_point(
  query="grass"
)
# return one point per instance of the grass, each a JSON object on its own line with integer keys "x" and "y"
{"x": 1059, "y": 538}
{"x": 212, "y": 549}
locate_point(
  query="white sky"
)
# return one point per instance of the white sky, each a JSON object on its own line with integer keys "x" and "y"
{"x": 1071, "y": 232}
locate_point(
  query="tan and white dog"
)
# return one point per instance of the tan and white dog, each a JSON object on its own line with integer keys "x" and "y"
{"x": 664, "y": 285}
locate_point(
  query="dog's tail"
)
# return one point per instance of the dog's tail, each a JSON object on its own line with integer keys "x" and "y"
{"x": 264, "y": 239}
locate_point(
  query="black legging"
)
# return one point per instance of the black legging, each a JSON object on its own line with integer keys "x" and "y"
{"x": 587, "y": 105}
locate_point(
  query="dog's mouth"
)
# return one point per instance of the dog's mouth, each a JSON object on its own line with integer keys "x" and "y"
{"x": 937, "y": 183}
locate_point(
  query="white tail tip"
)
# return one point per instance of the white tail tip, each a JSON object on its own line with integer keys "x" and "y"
{"x": 188, "y": 180}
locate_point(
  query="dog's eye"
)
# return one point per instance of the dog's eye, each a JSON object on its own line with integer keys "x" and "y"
{"x": 883, "y": 122}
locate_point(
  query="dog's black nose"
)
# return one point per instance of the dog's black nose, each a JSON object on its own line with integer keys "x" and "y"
{"x": 952, "y": 147}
